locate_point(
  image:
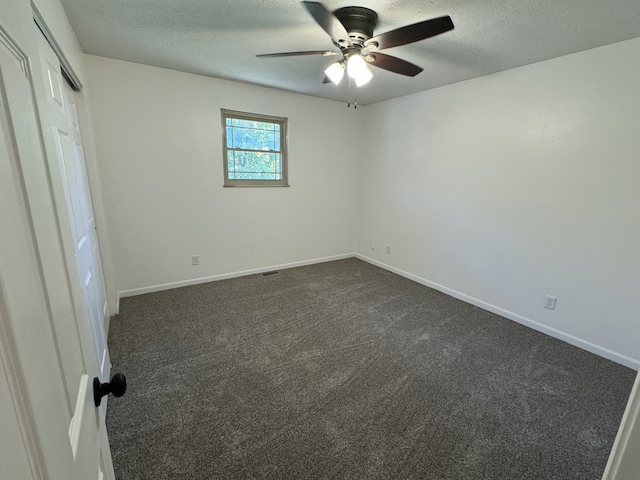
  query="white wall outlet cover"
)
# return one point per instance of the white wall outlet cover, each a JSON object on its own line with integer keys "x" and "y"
{"x": 550, "y": 302}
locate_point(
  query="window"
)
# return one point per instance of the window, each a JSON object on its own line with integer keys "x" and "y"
{"x": 254, "y": 149}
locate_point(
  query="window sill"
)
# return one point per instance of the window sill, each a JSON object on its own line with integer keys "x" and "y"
{"x": 258, "y": 186}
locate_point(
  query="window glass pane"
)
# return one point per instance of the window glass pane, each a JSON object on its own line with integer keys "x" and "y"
{"x": 243, "y": 138}
{"x": 229, "y": 135}
{"x": 251, "y": 138}
{"x": 276, "y": 139}
{"x": 237, "y": 122}
{"x": 254, "y": 165}
{"x": 267, "y": 126}
{"x": 270, "y": 141}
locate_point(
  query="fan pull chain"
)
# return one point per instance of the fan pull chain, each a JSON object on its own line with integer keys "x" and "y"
{"x": 354, "y": 89}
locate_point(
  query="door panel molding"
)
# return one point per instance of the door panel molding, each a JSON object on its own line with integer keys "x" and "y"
{"x": 10, "y": 363}
{"x": 13, "y": 49}
{"x": 9, "y": 357}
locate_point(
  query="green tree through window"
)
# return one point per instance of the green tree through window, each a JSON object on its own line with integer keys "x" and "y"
{"x": 254, "y": 149}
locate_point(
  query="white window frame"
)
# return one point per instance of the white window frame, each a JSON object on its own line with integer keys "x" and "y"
{"x": 256, "y": 117}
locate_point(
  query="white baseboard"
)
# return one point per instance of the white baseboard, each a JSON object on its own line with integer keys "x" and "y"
{"x": 224, "y": 276}
{"x": 552, "y": 332}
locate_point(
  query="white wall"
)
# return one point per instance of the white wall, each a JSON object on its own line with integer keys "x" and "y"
{"x": 158, "y": 137}
{"x": 522, "y": 184}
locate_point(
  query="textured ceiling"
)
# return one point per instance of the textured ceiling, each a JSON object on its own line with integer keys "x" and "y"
{"x": 220, "y": 38}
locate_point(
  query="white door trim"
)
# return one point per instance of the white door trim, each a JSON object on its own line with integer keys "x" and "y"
{"x": 622, "y": 459}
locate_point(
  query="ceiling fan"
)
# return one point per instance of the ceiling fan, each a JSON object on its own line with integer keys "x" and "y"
{"x": 351, "y": 30}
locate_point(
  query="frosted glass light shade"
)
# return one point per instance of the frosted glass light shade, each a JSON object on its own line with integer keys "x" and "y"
{"x": 358, "y": 70}
{"x": 335, "y": 72}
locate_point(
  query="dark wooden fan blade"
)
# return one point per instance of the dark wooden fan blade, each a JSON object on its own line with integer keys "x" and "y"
{"x": 412, "y": 33}
{"x": 393, "y": 64}
{"x": 326, "y": 80}
{"x": 324, "y": 53}
{"x": 328, "y": 21}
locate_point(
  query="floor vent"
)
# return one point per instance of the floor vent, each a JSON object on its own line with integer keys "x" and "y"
{"x": 266, "y": 274}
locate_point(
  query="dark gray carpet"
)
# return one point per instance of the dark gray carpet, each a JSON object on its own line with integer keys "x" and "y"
{"x": 344, "y": 370}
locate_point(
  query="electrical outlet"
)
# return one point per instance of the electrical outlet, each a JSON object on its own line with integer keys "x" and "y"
{"x": 388, "y": 250}
{"x": 195, "y": 259}
{"x": 550, "y": 302}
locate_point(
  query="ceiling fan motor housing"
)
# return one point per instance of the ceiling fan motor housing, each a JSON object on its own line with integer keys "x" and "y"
{"x": 359, "y": 22}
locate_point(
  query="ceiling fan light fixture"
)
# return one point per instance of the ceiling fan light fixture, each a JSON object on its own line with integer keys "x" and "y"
{"x": 351, "y": 29}
{"x": 363, "y": 78}
{"x": 358, "y": 70}
{"x": 335, "y": 72}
